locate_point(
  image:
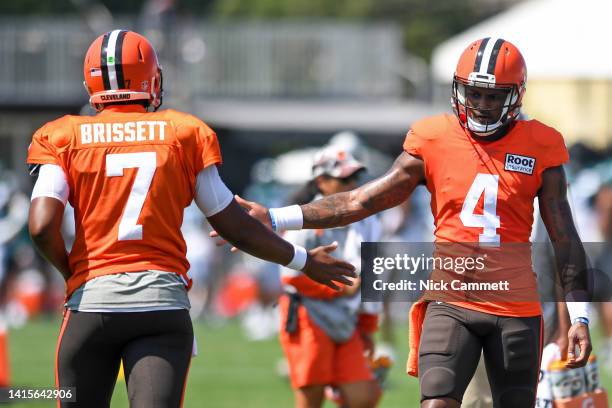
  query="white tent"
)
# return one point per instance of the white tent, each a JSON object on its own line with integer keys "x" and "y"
{"x": 558, "y": 38}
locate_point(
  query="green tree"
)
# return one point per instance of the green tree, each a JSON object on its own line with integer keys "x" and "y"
{"x": 425, "y": 23}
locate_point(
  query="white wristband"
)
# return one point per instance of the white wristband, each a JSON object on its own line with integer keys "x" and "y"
{"x": 578, "y": 310}
{"x": 299, "y": 258}
{"x": 287, "y": 218}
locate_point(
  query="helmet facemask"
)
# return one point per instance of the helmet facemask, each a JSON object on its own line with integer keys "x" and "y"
{"x": 509, "y": 110}
{"x": 157, "y": 91}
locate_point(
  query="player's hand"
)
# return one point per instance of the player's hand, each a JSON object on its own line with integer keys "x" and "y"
{"x": 325, "y": 269}
{"x": 255, "y": 210}
{"x": 219, "y": 241}
{"x": 351, "y": 290}
{"x": 578, "y": 335}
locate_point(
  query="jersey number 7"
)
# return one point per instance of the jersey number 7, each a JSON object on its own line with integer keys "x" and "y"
{"x": 146, "y": 163}
{"x": 488, "y": 220}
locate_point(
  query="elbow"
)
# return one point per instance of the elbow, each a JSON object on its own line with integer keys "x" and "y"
{"x": 359, "y": 206}
{"x": 45, "y": 219}
{"x": 39, "y": 231}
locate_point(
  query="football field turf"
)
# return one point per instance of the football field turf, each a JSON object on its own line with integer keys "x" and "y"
{"x": 229, "y": 371}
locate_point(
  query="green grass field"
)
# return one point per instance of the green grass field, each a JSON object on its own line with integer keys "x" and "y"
{"x": 229, "y": 371}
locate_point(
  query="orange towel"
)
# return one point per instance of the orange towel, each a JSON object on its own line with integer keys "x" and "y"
{"x": 417, "y": 315}
{"x": 307, "y": 287}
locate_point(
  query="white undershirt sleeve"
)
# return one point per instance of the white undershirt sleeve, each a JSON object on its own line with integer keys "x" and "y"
{"x": 211, "y": 195}
{"x": 51, "y": 182}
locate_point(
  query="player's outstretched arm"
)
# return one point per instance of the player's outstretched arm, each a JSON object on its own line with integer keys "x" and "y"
{"x": 385, "y": 192}
{"x": 345, "y": 208}
{"x": 570, "y": 260}
{"x": 45, "y": 223}
{"x": 252, "y": 237}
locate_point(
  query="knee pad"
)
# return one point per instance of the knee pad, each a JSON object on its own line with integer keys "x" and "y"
{"x": 517, "y": 397}
{"x": 519, "y": 352}
{"x": 437, "y": 382}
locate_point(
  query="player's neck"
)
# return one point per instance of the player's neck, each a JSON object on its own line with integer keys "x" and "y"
{"x": 125, "y": 108}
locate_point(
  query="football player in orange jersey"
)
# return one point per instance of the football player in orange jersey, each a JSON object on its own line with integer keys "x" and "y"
{"x": 483, "y": 167}
{"x": 129, "y": 171}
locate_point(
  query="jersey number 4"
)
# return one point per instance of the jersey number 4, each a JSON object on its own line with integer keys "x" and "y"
{"x": 488, "y": 220}
{"x": 146, "y": 163}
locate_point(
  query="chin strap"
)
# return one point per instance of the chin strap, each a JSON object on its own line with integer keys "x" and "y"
{"x": 495, "y": 135}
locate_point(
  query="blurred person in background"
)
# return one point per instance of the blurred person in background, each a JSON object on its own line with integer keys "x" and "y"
{"x": 201, "y": 256}
{"x": 590, "y": 195}
{"x": 603, "y": 210}
{"x": 129, "y": 171}
{"x": 13, "y": 218}
{"x": 326, "y": 335}
{"x": 260, "y": 320}
{"x": 411, "y": 221}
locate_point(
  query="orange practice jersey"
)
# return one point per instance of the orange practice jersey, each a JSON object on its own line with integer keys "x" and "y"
{"x": 483, "y": 192}
{"x": 131, "y": 174}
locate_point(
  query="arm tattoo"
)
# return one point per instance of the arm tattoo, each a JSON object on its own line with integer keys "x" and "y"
{"x": 557, "y": 216}
{"x": 330, "y": 211}
{"x": 378, "y": 195}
